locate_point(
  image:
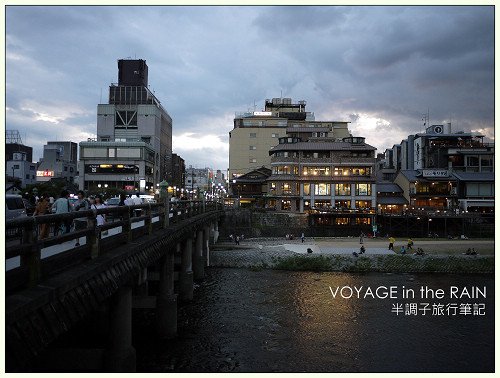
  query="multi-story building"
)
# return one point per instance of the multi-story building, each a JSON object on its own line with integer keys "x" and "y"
{"x": 178, "y": 171}
{"x": 199, "y": 179}
{"x": 133, "y": 149}
{"x": 18, "y": 160}
{"x": 324, "y": 174}
{"x": 59, "y": 161}
{"x": 19, "y": 167}
{"x": 14, "y": 143}
{"x": 255, "y": 133}
{"x": 447, "y": 170}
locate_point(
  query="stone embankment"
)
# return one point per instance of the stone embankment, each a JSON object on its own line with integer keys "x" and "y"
{"x": 337, "y": 255}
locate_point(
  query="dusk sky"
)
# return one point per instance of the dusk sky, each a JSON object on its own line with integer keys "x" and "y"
{"x": 381, "y": 68}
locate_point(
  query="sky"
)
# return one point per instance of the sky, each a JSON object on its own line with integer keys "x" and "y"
{"x": 379, "y": 67}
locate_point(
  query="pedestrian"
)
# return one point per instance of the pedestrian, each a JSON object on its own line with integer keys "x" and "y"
{"x": 391, "y": 243}
{"x": 137, "y": 201}
{"x": 62, "y": 206}
{"x": 81, "y": 204}
{"x": 410, "y": 244}
{"x": 98, "y": 204}
{"x": 302, "y": 237}
{"x": 237, "y": 240}
{"x": 123, "y": 198}
{"x": 362, "y": 249}
{"x": 361, "y": 237}
{"x": 402, "y": 250}
{"x": 42, "y": 208}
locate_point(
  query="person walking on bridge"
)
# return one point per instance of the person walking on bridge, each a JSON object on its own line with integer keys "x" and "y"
{"x": 62, "y": 206}
{"x": 81, "y": 204}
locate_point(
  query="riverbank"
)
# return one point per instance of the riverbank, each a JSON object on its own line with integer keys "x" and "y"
{"x": 336, "y": 254}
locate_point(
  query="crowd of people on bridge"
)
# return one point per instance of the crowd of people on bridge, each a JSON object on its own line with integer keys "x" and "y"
{"x": 66, "y": 203}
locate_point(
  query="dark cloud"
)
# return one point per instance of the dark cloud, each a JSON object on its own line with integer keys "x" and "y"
{"x": 378, "y": 67}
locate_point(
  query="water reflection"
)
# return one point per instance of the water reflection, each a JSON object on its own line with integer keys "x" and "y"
{"x": 274, "y": 321}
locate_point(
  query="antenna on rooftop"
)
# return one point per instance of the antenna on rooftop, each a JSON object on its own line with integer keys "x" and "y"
{"x": 254, "y": 105}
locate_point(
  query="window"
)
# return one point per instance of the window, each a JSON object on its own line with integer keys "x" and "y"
{"x": 65, "y": 168}
{"x": 111, "y": 152}
{"x": 95, "y": 152}
{"x": 32, "y": 167}
{"x": 343, "y": 204}
{"x": 27, "y": 176}
{"x": 472, "y": 161}
{"x": 126, "y": 118}
{"x": 316, "y": 171}
{"x": 274, "y": 135}
{"x": 341, "y": 171}
{"x": 342, "y": 189}
{"x": 286, "y": 188}
{"x": 146, "y": 140}
{"x": 363, "y": 221}
{"x": 253, "y": 160}
{"x": 128, "y": 152}
{"x": 322, "y": 189}
{"x": 363, "y": 190}
{"x": 253, "y": 135}
{"x": 307, "y": 189}
{"x": 272, "y": 187}
{"x": 71, "y": 169}
{"x": 363, "y": 204}
{"x": 252, "y": 148}
{"x": 16, "y": 166}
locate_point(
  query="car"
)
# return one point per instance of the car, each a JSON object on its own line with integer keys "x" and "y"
{"x": 14, "y": 206}
{"x": 112, "y": 202}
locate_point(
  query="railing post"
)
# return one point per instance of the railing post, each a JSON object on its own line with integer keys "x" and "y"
{"x": 166, "y": 214}
{"x": 148, "y": 221}
{"x": 95, "y": 237}
{"x": 31, "y": 260}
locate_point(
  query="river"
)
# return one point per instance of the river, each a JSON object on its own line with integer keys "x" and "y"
{"x": 276, "y": 321}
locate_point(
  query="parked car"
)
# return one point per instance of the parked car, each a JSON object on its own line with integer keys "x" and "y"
{"x": 14, "y": 206}
{"x": 112, "y": 202}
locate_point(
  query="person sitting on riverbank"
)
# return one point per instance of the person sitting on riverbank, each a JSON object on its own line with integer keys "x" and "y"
{"x": 362, "y": 249}
{"x": 420, "y": 252}
{"x": 471, "y": 252}
{"x": 402, "y": 250}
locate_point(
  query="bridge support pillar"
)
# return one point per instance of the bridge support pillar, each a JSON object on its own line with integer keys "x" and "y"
{"x": 121, "y": 357}
{"x": 166, "y": 300}
{"x": 198, "y": 259}
{"x": 216, "y": 231}
{"x": 206, "y": 245}
{"x": 186, "y": 273}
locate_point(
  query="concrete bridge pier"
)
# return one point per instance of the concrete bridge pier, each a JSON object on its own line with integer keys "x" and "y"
{"x": 186, "y": 273}
{"x": 206, "y": 245}
{"x": 216, "y": 231}
{"x": 198, "y": 260}
{"x": 166, "y": 299}
{"x": 120, "y": 356}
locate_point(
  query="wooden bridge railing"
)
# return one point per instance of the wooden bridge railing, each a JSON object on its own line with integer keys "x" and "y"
{"x": 29, "y": 259}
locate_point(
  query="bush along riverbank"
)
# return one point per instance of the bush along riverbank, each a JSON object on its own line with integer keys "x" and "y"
{"x": 390, "y": 263}
{"x": 373, "y": 263}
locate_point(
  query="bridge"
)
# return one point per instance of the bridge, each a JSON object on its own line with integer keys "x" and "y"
{"x": 144, "y": 256}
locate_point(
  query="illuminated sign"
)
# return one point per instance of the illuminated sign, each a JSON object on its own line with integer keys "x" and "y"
{"x": 435, "y": 173}
{"x": 111, "y": 168}
{"x": 262, "y": 113}
{"x": 45, "y": 173}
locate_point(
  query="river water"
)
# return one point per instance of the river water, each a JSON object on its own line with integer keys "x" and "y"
{"x": 277, "y": 321}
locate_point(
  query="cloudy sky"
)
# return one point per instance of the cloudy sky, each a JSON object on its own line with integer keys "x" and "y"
{"x": 381, "y": 68}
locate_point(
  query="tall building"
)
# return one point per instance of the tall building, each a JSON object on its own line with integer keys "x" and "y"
{"x": 178, "y": 171}
{"x": 14, "y": 143}
{"x": 18, "y": 160}
{"x": 59, "y": 161}
{"x": 255, "y": 133}
{"x": 133, "y": 149}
